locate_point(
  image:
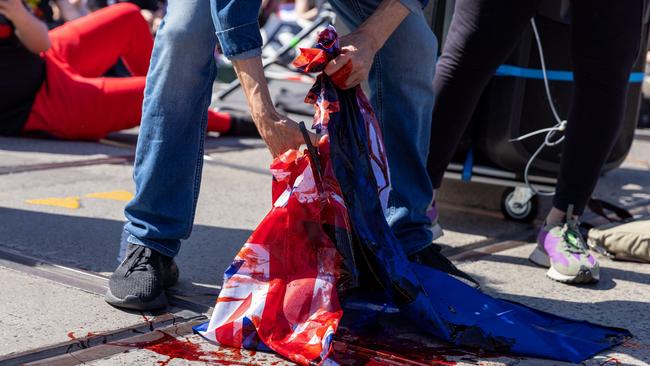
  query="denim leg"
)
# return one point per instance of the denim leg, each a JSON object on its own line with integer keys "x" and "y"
{"x": 169, "y": 155}
{"x": 401, "y": 85}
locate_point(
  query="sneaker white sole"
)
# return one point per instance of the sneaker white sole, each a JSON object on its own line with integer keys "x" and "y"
{"x": 135, "y": 303}
{"x": 540, "y": 258}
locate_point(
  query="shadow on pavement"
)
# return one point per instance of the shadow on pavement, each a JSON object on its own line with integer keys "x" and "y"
{"x": 58, "y": 147}
{"x": 119, "y": 143}
{"x": 624, "y": 186}
{"x": 608, "y": 275}
{"x": 92, "y": 244}
{"x": 212, "y": 141}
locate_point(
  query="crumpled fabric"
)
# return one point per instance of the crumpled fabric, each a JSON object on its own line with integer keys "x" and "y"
{"x": 326, "y": 237}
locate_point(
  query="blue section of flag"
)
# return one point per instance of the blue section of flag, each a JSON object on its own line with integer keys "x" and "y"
{"x": 555, "y": 75}
{"x": 233, "y": 268}
{"x": 200, "y": 328}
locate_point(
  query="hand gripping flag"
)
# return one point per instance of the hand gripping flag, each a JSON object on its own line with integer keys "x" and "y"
{"x": 326, "y": 237}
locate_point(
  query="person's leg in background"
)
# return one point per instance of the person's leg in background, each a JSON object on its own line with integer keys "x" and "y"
{"x": 481, "y": 36}
{"x": 602, "y": 62}
{"x": 75, "y": 103}
{"x": 77, "y": 108}
{"x": 172, "y": 133}
{"x": 93, "y": 44}
{"x": 78, "y": 104}
{"x": 401, "y": 93}
{"x": 401, "y": 85}
{"x": 605, "y": 41}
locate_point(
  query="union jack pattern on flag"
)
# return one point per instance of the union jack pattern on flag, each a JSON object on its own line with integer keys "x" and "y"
{"x": 280, "y": 291}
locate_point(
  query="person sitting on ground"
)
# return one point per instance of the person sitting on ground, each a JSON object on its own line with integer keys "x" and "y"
{"x": 51, "y": 81}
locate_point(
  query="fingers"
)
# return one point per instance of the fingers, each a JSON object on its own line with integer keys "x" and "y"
{"x": 341, "y": 77}
{"x": 350, "y": 68}
{"x": 284, "y": 134}
{"x": 337, "y": 64}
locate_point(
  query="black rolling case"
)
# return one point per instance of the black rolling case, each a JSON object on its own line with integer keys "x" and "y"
{"x": 515, "y": 103}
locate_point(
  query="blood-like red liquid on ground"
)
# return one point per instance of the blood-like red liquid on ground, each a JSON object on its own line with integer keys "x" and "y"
{"x": 73, "y": 337}
{"x": 173, "y": 348}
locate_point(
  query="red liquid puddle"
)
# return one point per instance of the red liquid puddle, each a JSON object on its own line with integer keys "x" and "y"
{"x": 174, "y": 348}
{"x": 185, "y": 349}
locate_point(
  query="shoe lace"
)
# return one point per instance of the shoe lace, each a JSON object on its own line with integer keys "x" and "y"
{"x": 140, "y": 263}
{"x": 575, "y": 243}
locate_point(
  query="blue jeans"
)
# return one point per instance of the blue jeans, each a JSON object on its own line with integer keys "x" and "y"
{"x": 169, "y": 155}
{"x": 401, "y": 92}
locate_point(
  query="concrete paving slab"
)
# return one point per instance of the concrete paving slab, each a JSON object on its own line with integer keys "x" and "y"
{"x": 35, "y": 312}
{"x": 620, "y": 299}
{"x": 462, "y": 228}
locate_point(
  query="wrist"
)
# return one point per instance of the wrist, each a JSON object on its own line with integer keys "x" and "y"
{"x": 374, "y": 40}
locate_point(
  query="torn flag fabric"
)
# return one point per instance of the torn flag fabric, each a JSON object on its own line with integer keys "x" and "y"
{"x": 326, "y": 237}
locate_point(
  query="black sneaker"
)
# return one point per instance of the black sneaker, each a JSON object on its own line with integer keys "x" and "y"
{"x": 139, "y": 281}
{"x": 170, "y": 272}
{"x": 431, "y": 257}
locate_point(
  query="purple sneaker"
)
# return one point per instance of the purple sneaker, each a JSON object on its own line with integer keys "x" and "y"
{"x": 435, "y": 228}
{"x": 562, "y": 250}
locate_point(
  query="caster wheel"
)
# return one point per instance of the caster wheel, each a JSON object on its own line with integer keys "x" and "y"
{"x": 516, "y": 211}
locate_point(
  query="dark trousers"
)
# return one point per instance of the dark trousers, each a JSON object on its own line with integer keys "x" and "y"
{"x": 605, "y": 40}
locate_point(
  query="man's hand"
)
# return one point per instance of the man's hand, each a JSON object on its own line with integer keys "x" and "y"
{"x": 353, "y": 65}
{"x": 358, "y": 49}
{"x": 281, "y": 134}
{"x": 13, "y": 10}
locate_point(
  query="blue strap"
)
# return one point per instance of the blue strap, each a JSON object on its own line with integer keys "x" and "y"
{"x": 555, "y": 75}
{"x": 468, "y": 166}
